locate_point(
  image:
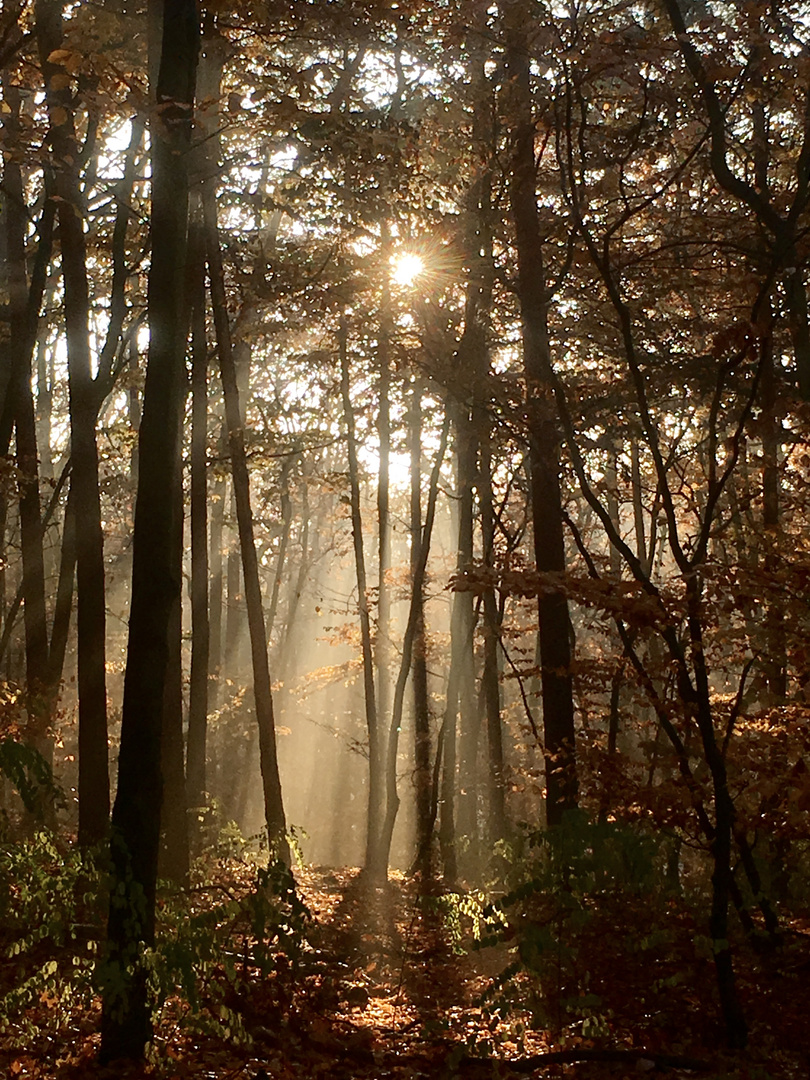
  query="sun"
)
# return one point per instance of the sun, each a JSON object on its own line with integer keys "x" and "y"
{"x": 406, "y": 268}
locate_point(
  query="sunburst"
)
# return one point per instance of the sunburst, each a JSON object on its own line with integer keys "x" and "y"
{"x": 406, "y": 268}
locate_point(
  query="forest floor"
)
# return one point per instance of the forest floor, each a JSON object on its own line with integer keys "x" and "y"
{"x": 384, "y": 992}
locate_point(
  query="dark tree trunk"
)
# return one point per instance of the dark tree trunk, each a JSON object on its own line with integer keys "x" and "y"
{"x": 94, "y": 790}
{"x": 544, "y": 463}
{"x": 218, "y": 494}
{"x": 490, "y": 677}
{"x": 273, "y": 806}
{"x": 19, "y": 364}
{"x": 419, "y": 674}
{"x": 126, "y": 1019}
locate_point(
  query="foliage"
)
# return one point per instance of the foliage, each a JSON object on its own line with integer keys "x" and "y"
{"x": 559, "y": 881}
{"x": 32, "y": 776}
{"x": 49, "y": 919}
{"x": 207, "y": 948}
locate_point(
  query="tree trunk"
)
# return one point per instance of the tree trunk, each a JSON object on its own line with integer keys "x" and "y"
{"x": 126, "y": 1018}
{"x": 200, "y": 629}
{"x": 94, "y": 791}
{"x": 173, "y": 859}
{"x": 544, "y": 463}
{"x": 271, "y": 784}
{"x": 383, "y": 644}
{"x": 414, "y": 616}
{"x": 419, "y": 674}
{"x": 491, "y": 675}
{"x": 376, "y": 778}
{"x": 462, "y": 643}
{"x": 19, "y": 365}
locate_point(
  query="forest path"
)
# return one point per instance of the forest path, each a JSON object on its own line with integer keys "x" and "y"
{"x": 384, "y": 987}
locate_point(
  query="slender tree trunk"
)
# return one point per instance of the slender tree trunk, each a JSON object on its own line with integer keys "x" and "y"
{"x": 94, "y": 791}
{"x": 273, "y": 806}
{"x": 419, "y": 674}
{"x": 775, "y": 659}
{"x": 200, "y": 628}
{"x": 411, "y": 629}
{"x": 446, "y": 794}
{"x": 546, "y": 499}
{"x": 126, "y": 1018}
{"x": 218, "y": 494}
{"x": 283, "y": 543}
{"x": 376, "y": 778}
{"x": 31, "y": 533}
{"x": 462, "y": 644}
{"x": 383, "y": 651}
{"x": 173, "y": 859}
{"x": 491, "y": 676}
{"x": 64, "y": 601}
{"x": 700, "y": 698}
{"x": 235, "y": 600}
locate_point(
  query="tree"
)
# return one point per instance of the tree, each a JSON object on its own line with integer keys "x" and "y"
{"x": 135, "y": 833}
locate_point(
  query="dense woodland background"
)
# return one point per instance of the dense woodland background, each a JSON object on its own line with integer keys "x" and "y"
{"x": 404, "y": 431}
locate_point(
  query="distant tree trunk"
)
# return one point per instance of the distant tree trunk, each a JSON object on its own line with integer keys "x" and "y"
{"x": 218, "y": 493}
{"x": 283, "y": 542}
{"x": 44, "y": 410}
{"x": 94, "y": 791}
{"x": 419, "y": 673}
{"x": 173, "y": 858}
{"x": 234, "y": 602}
{"x": 546, "y": 499}
{"x": 383, "y": 643}
{"x": 133, "y": 414}
{"x": 775, "y": 659}
{"x": 411, "y": 629}
{"x": 462, "y": 643}
{"x": 446, "y": 759}
{"x": 490, "y": 677}
{"x": 376, "y": 777}
{"x": 200, "y": 629}
{"x": 64, "y": 600}
{"x": 126, "y": 1017}
{"x": 273, "y": 806}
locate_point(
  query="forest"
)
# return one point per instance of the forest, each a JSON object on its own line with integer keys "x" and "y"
{"x": 404, "y": 539}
